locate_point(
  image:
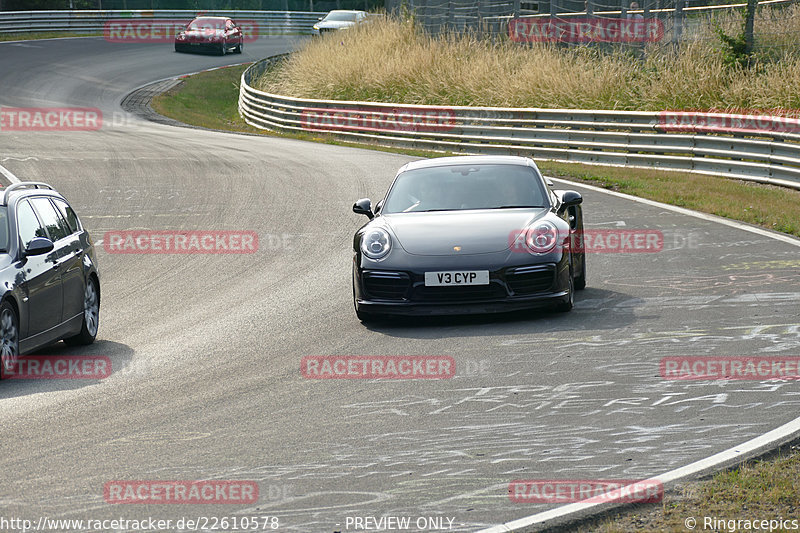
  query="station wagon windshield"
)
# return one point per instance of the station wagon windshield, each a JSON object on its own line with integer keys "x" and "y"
{"x": 340, "y": 17}
{"x": 462, "y": 187}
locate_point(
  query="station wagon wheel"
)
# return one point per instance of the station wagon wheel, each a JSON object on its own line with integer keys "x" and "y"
{"x": 91, "y": 315}
{"x": 9, "y": 338}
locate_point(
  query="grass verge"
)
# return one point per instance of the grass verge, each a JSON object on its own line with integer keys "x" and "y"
{"x": 44, "y": 35}
{"x": 208, "y": 100}
{"x": 767, "y": 489}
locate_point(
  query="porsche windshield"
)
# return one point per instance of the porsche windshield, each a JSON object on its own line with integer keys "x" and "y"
{"x": 460, "y": 187}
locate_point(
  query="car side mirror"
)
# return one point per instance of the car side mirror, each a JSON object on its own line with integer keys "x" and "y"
{"x": 319, "y": 18}
{"x": 363, "y": 207}
{"x": 570, "y": 199}
{"x": 39, "y": 246}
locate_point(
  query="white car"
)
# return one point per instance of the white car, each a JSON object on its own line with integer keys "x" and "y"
{"x": 339, "y": 19}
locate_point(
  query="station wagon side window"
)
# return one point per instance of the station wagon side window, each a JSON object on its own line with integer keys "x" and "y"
{"x": 4, "y": 231}
{"x": 51, "y": 220}
{"x": 68, "y": 215}
{"x": 28, "y": 224}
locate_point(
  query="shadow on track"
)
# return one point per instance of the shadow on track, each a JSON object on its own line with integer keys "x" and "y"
{"x": 120, "y": 355}
{"x": 594, "y": 309}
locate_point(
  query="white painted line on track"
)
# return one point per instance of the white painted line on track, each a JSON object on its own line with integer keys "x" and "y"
{"x": 731, "y": 456}
{"x": 696, "y": 214}
{"x": 9, "y": 175}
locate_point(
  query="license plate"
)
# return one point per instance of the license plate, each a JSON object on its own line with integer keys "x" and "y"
{"x": 456, "y": 277}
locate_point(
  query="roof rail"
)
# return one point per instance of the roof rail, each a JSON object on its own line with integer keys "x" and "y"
{"x": 24, "y": 185}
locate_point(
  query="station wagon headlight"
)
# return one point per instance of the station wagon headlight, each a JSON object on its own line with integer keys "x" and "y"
{"x": 316, "y": 27}
{"x": 541, "y": 237}
{"x": 376, "y": 243}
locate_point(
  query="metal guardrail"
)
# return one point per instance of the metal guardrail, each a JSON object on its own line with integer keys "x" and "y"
{"x": 626, "y": 138}
{"x": 687, "y": 10}
{"x": 79, "y": 21}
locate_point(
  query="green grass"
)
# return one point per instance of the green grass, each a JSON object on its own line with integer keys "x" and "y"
{"x": 208, "y": 100}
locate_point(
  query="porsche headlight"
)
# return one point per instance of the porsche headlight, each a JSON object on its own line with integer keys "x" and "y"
{"x": 376, "y": 243}
{"x": 542, "y": 237}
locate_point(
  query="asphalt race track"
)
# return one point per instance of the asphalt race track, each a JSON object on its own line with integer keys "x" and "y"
{"x": 206, "y": 349}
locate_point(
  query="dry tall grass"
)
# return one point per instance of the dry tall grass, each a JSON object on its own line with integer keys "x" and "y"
{"x": 391, "y": 61}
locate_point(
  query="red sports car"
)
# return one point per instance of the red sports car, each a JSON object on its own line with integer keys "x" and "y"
{"x": 210, "y": 34}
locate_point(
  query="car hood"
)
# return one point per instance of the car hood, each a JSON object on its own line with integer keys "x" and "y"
{"x": 202, "y": 33}
{"x": 334, "y": 24}
{"x": 474, "y": 231}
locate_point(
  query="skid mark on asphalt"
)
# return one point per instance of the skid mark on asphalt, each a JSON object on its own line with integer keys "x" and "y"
{"x": 771, "y": 338}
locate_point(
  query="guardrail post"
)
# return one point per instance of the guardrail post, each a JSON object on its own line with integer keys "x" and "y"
{"x": 678, "y": 24}
{"x": 451, "y": 15}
